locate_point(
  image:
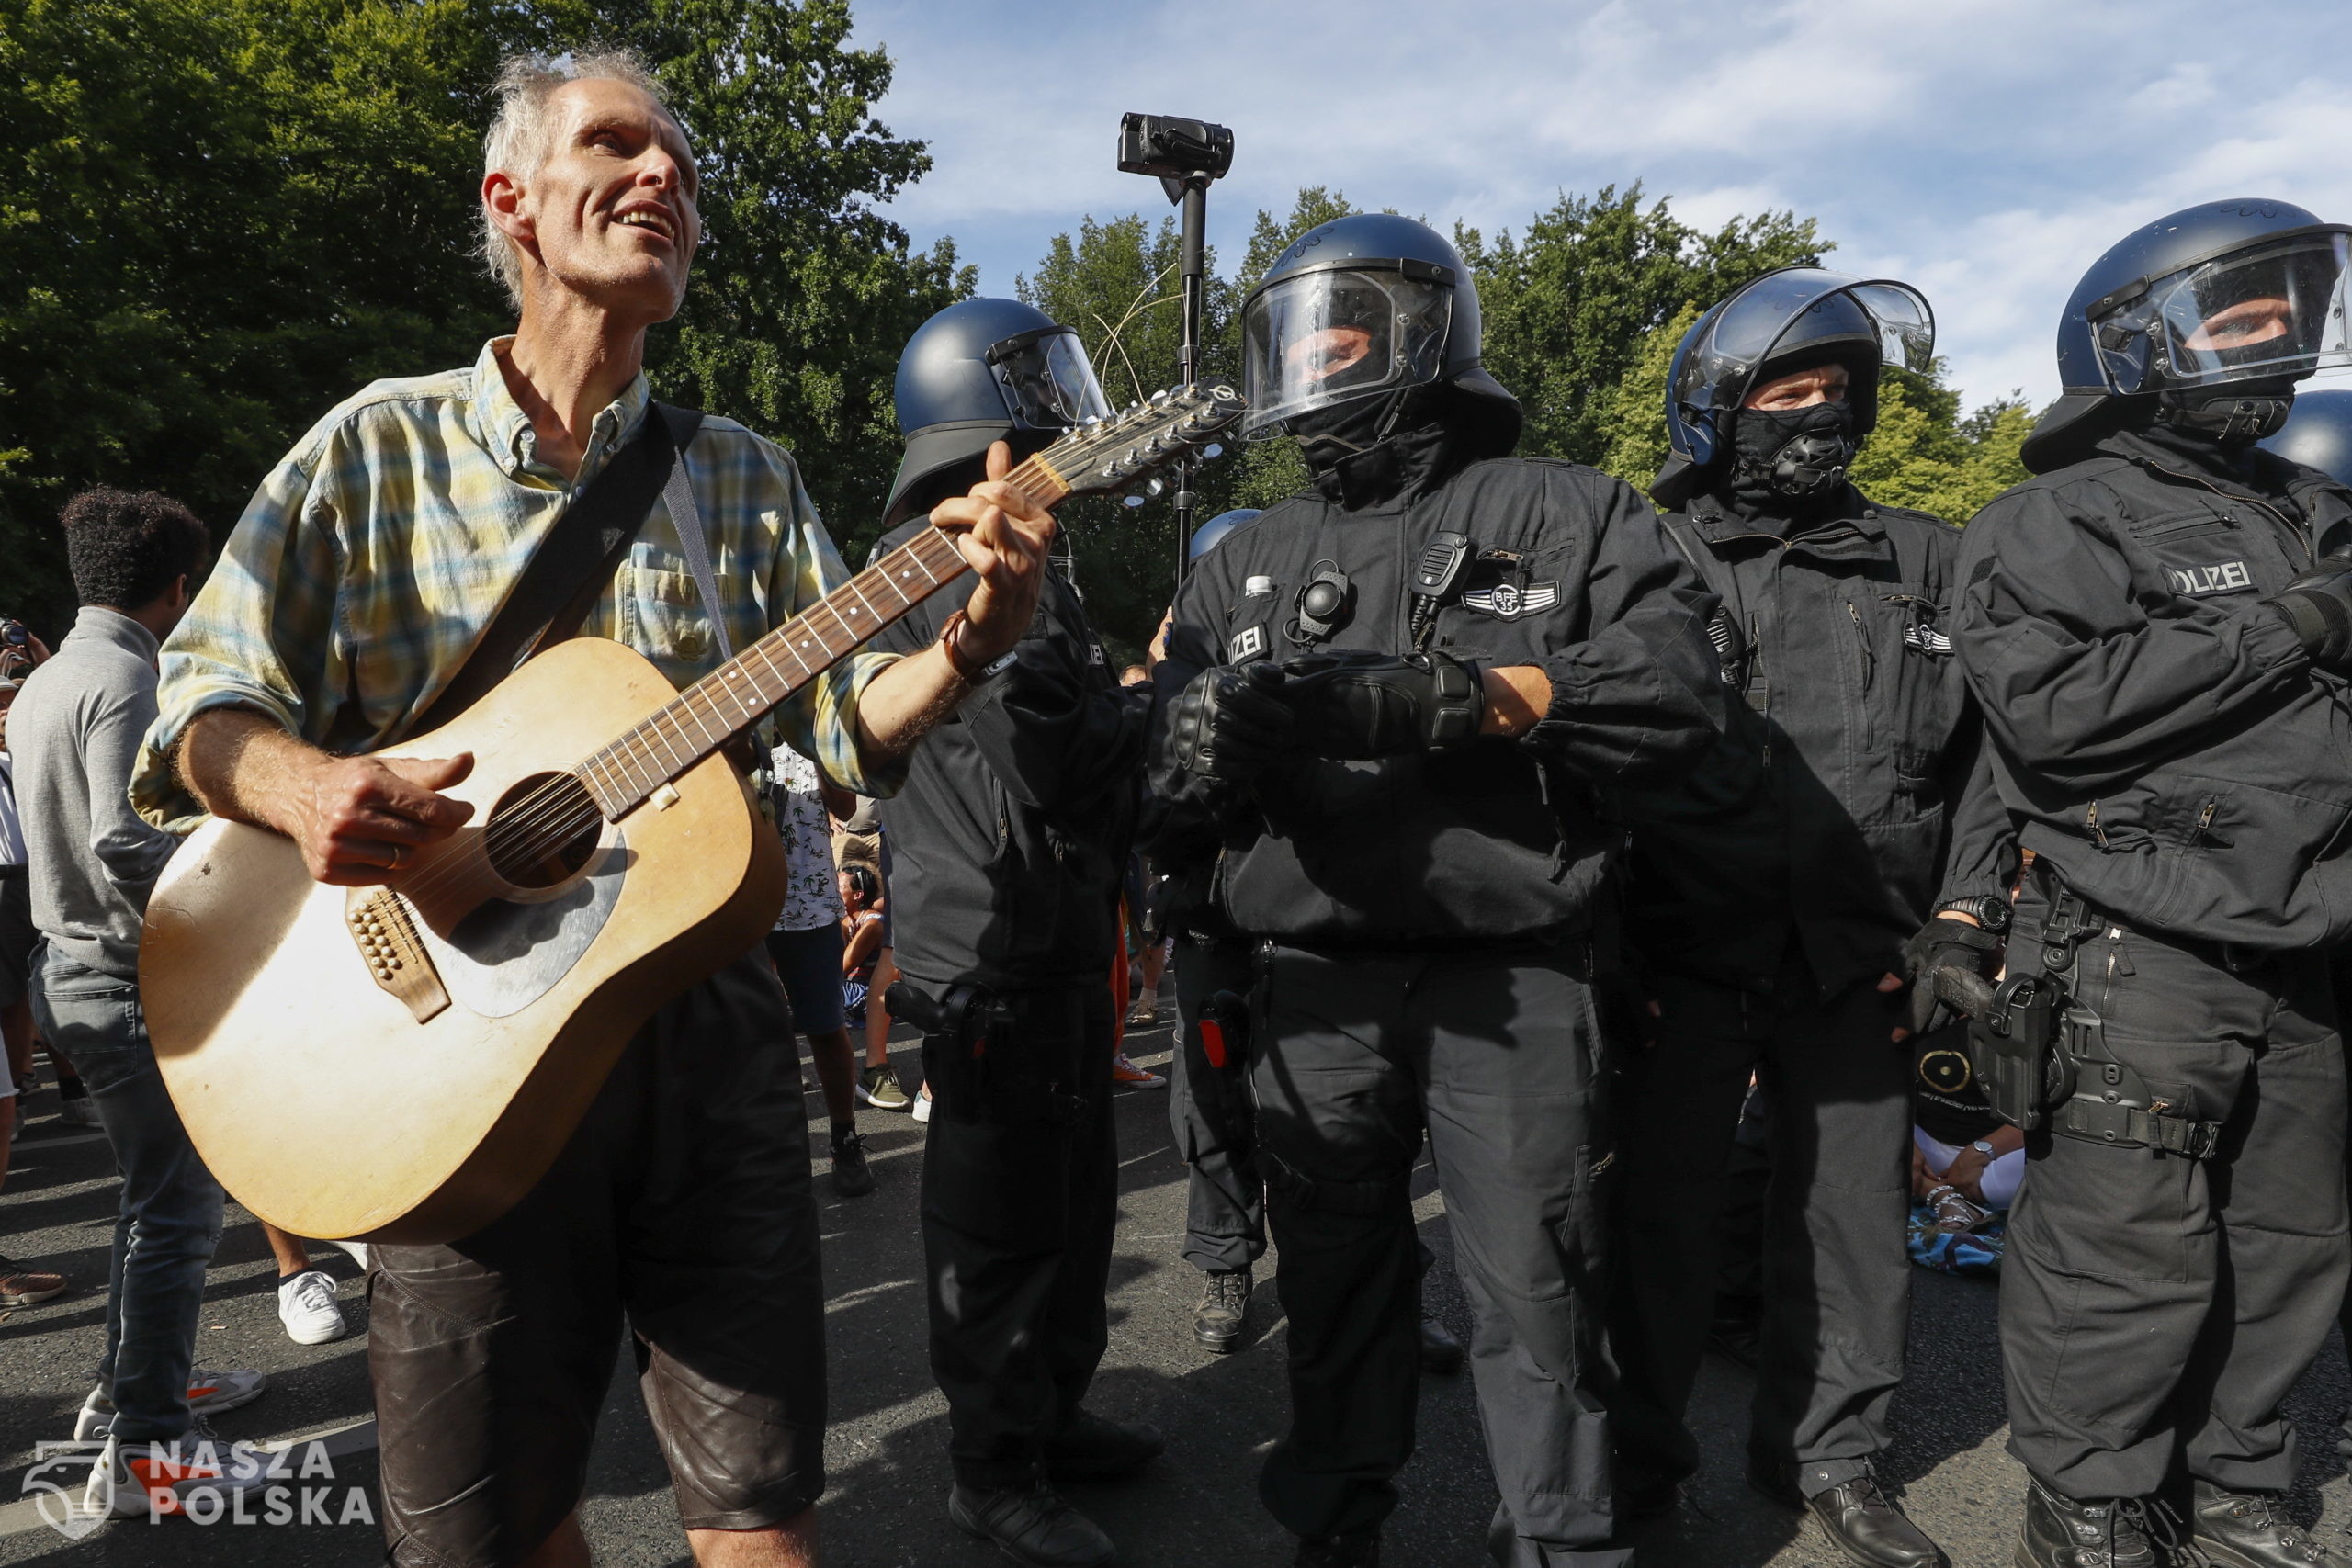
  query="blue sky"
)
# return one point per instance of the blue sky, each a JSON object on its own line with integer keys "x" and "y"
{"x": 1985, "y": 151}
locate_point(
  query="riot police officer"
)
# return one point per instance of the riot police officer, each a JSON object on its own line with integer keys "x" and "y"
{"x": 2158, "y": 628}
{"x": 1224, "y": 1210}
{"x": 1768, "y": 900}
{"x": 1008, "y": 841}
{"x": 1392, "y": 698}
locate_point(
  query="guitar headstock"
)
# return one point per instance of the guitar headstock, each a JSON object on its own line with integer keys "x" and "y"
{"x": 1112, "y": 453}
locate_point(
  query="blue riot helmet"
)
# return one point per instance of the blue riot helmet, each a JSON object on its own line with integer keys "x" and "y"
{"x": 980, "y": 371}
{"x": 1208, "y": 534}
{"x": 1350, "y": 319}
{"x": 2318, "y": 434}
{"x": 2203, "y": 320}
{"x": 1784, "y": 321}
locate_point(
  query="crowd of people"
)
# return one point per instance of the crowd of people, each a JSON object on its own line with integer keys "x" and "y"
{"x": 1651, "y": 862}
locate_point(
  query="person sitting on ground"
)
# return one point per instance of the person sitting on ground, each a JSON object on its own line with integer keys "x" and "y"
{"x": 861, "y": 930}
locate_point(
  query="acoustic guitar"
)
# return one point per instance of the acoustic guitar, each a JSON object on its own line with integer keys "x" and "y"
{"x": 403, "y": 1062}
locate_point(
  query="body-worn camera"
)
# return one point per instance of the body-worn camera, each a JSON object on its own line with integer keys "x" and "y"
{"x": 1175, "y": 150}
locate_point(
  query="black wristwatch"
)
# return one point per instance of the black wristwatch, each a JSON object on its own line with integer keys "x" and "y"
{"x": 1991, "y": 913}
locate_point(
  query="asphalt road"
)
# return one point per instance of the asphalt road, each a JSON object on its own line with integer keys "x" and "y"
{"x": 1196, "y": 1508}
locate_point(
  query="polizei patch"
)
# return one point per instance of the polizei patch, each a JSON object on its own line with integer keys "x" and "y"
{"x": 1508, "y": 601}
{"x": 1247, "y": 643}
{"x": 2221, "y": 577}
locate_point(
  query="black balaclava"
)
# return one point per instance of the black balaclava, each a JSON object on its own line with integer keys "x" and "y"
{"x": 1332, "y": 433}
{"x": 2233, "y": 415}
{"x": 1789, "y": 463}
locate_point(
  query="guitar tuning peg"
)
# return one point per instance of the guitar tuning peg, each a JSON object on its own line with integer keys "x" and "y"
{"x": 1133, "y": 500}
{"x": 1153, "y": 487}
{"x": 1212, "y": 452}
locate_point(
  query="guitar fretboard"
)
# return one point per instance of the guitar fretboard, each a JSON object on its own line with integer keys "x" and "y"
{"x": 738, "y": 694}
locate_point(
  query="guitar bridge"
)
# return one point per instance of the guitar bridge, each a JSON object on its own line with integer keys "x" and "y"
{"x": 385, "y": 934}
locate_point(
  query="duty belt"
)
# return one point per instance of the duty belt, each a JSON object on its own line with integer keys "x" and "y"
{"x": 2107, "y": 1101}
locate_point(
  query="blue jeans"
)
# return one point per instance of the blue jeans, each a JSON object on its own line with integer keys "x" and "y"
{"x": 170, "y": 1219}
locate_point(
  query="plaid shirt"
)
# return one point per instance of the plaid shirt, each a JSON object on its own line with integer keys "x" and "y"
{"x": 371, "y": 561}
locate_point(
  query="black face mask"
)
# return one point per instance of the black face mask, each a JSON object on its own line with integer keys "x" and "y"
{"x": 1332, "y": 433}
{"x": 2233, "y": 415}
{"x": 1790, "y": 456}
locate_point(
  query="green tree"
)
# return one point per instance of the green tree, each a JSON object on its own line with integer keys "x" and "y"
{"x": 221, "y": 216}
{"x": 1925, "y": 455}
{"x": 1115, "y": 284}
{"x": 803, "y": 295}
{"x": 1569, "y": 303}
{"x": 1631, "y": 423}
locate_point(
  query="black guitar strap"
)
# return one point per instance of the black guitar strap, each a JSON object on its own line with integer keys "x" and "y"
{"x": 572, "y": 564}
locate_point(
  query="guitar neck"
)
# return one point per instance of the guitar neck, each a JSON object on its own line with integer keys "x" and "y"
{"x": 728, "y": 701}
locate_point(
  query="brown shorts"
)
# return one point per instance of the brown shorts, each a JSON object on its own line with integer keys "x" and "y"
{"x": 684, "y": 1202}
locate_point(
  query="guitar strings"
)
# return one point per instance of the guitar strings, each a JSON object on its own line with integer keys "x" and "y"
{"x": 552, "y": 815}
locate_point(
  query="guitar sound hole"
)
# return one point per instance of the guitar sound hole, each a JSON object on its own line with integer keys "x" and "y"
{"x": 542, "y": 830}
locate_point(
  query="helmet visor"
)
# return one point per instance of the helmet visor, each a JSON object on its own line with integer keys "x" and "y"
{"x": 1320, "y": 338}
{"x": 1047, "y": 380}
{"x": 1787, "y": 312}
{"x": 2276, "y": 308}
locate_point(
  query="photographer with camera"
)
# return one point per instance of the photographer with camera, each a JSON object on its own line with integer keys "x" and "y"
{"x": 1385, "y": 733}
{"x": 2158, "y": 628}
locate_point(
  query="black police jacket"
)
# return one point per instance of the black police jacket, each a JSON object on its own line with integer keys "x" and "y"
{"x": 1501, "y": 838}
{"x": 1009, "y": 841}
{"x": 2160, "y": 738}
{"x": 1822, "y": 818}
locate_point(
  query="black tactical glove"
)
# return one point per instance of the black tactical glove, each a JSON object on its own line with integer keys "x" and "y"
{"x": 2317, "y": 606}
{"x": 1229, "y": 723}
{"x": 1943, "y": 942}
{"x": 1352, "y": 707}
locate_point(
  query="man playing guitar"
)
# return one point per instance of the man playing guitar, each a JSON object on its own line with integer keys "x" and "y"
{"x": 356, "y": 586}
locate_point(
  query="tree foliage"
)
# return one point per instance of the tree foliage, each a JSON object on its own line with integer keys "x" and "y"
{"x": 1569, "y": 302}
{"x": 221, "y": 216}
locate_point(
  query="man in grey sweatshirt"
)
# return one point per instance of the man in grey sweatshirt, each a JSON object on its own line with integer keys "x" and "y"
{"x": 74, "y": 733}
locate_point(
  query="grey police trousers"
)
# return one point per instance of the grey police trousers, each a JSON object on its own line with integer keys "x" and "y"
{"x": 2155, "y": 1309}
{"x": 1497, "y": 1055}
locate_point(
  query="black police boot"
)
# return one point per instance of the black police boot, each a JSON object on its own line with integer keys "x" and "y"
{"x": 1339, "y": 1551}
{"x": 2061, "y": 1532}
{"x": 1860, "y": 1521}
{"x": 850, "y": 1176}
{"x": 1645, "y": 1493}
{"x": 1030, "y": 1524}
{"x": 2244, "y": 1530}
{"x": 1224, "y": 1308}
{"x": 1095, "y": 1447}
{"x": 1441, "y": 1351}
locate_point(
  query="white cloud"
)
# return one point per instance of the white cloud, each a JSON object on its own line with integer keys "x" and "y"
{"x": 1986, "y": 151}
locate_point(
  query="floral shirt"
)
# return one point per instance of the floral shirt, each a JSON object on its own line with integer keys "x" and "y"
{"x": 812, "y": 897}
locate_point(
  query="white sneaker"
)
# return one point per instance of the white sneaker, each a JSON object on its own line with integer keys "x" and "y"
{"x": 82, "y": 1112}
{"x": 208, "y": 1393}
{"x": 922, "y": 1104}
{"x": 135, "y": 1479}
{"x": 306, "y": 1305}
{"x": 355, "y": 1250}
